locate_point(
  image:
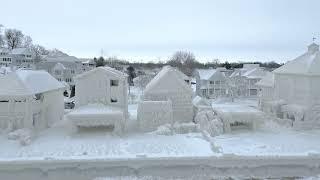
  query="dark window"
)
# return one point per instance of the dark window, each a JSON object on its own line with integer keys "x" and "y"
{"x": 114, "y": 82}
{"x": 114, "y": 100}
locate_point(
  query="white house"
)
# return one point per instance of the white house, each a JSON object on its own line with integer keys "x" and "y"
{"x": 101, "y": 98}
{"x": 22, "y": 58}
{"x": 30, "y": 99}
{"x": 297, "y": 83}
{"x": 210, "y": 83}
{"x": 166, "y": 99}
{"x": 88, "y": 65}
{"x": 248, "y": 76}
{"x": 63, "y": 68}
{"x": 266, "y": 91}
{"x": 5, "y": 57}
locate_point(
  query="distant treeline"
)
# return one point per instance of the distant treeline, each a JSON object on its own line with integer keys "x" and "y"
{"x": 191, "y": 63}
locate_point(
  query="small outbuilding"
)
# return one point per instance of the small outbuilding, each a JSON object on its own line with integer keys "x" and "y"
{"x": 169, "y": 89}
{"x": 101, "y": 99}
{"x": 30, "y": 99}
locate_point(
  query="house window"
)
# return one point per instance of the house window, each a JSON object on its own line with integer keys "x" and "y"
{"x": 211, "y": 82}
{"x": 114, "y": 82}
{"x": 114, "y": 100}
{"x": 211, "y": 91}
{"x": 217, "y": 82}
{"x": 39, "y": 96}
{"x": 72, "y": 71}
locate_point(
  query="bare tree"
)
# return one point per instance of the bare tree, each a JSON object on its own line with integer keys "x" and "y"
{"x": 27, "y": 42}
{"x": 14, "y": 38}
{"x": 38, "y": 51}
{"x": 142, "y": 81}
{"x": 1, "y": 36}
{"x": 184, "y": 60}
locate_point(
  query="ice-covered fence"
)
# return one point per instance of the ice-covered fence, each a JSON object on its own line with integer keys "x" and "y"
{"x": 152, "y": 114}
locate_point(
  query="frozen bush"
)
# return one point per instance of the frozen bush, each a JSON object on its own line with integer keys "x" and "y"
{"x": 209, "y": 122}
{"x": 184, "y": 128}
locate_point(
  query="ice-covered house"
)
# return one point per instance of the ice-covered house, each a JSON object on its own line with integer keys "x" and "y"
{"x": 88, "y": 65}
{"x": 30, "y": 99}
{"x": 248, "y": 76}
{"x": 297, "y": 85}
{"x": 63, "y": 68}
{"x": 166, "y": 99}
{"x": 101, "y": 99}
{"x": 22, "y": 58}
{"x": 266, "y": 91}
{"x": 5, "y": 57}
{"x": 210, "y": 83}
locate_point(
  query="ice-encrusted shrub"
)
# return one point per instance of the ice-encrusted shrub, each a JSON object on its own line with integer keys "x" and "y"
{"x": 209, "y": 122}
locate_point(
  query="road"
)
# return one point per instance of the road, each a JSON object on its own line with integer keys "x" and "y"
{"x": 182, "y": 167}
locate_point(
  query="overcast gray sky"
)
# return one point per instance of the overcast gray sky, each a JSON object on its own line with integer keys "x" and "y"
{"x": 226, "y": 29}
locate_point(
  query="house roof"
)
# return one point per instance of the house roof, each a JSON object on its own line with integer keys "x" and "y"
{"x": 5, "y": 50}
{"x": 267, "y": 80}
{"x": 27, "y": 82}
{"x": 168, "y": 79}
{"x": 115, "y": 72}
{"x": 61, "y": 59}
{"x": 20, "y": 51}
{"x": 306, "y": 64}
{"x": 206, "y": 74}
{"x": 256, "y": 73}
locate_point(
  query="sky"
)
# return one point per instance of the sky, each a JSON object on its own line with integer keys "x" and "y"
{"x": 151, "y": 30}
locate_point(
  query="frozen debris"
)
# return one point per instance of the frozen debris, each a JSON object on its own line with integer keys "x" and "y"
{"x": 184, "y": 128}
{"x": 152, "y": 114}
{"x": 24, "y": 136}
{"x": 209, "y": 123}
{"x": 164, "y": 130}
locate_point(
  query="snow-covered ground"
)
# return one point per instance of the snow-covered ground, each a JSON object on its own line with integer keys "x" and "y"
{"x": 62, "y": 142}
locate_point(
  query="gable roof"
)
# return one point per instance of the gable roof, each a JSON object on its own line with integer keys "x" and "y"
{"x": 107, "y": 69}
{"x": 256, "y": 73}
{"x": 267, "y": 80}
{"x": 206, "y": 74}
{"x": 167, "y": 80}
{"x": 27, "y": 82}
{"x": 16, "y": 51}
{"x": 306, "y": 64}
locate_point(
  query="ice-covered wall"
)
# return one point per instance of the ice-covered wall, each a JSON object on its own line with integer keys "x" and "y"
{"x": 95, "y": 87}
{"x": 152, "y": 114}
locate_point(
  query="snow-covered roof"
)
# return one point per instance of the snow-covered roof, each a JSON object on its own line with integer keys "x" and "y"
{"x": 166, "y": 80}
{"x": 59, "y": 66}
{"x": 4, "y": 50}
{"x": 61, "y": 59}
{"x": 27, "y": 82}
{"x": 206, "y": 74}
{"x": 20, "y": 51}
{"x": 107, "y": 69}
{"x": 88, "y": 61}
{"x": 256, "y": 73}
{"x": 306, "y": 64}
{"x": 267, "y": 80}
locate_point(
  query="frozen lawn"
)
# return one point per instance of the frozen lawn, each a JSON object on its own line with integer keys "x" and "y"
{"x": 58, "y": 143}
{"x": 277, "y": 142}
